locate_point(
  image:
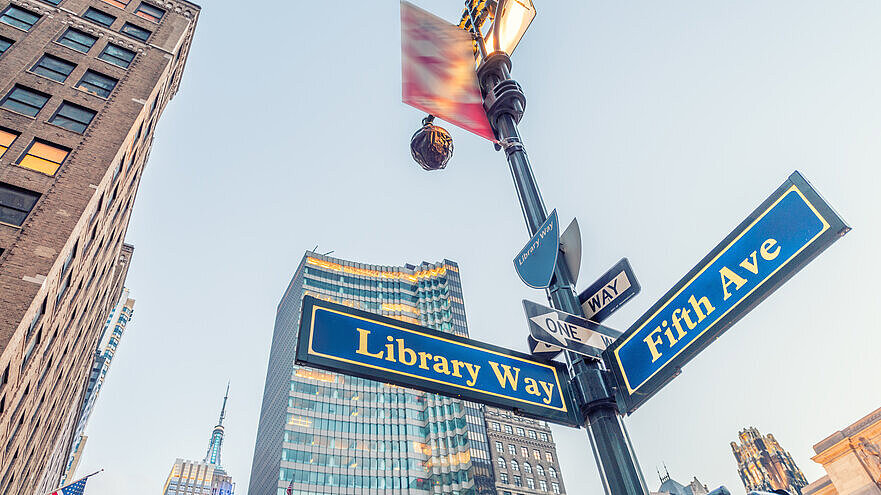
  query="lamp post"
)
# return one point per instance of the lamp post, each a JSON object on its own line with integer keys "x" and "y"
{"x": 505, "y": 103}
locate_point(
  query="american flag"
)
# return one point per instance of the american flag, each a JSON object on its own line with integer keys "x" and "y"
{"x": 75, "y": 488}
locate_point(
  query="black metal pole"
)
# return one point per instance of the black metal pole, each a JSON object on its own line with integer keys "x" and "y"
{"x": 505, "y": 104}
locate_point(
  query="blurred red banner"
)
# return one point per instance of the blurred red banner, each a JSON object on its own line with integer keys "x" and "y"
{"x": 437, "y": 61}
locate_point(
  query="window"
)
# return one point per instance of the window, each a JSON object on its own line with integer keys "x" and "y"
{"x": 502, "y": 463}
{"x": 552, "y": 472}
{"x": 5, "y": 43}
{"x": 540, "y": 470}
{"x": 77, "y": 40}
{"x": 135, "y": 32}
{"x": 20, "y": 18}
{"x": 512, "y": 449}
{"x": 69, "y": 259}
{"x": 524, "y": 451}
{"x": 544, "y": 437}
{"x": 6, "y": 139}
{"x": 25, "y": 100}
{"x": 509, "y": 430}
{"x": 518, "y": 481}
{"x": 150, "y": 12}
{"x": 496, "y": 426}
{"x": 527, "y": 468}
{"x": 514, "y": 465}
{"x": 503, "y": 477}
{"x": 73, "y": 117}
{"x": 536, "y": 454}
{"x": 549, "y": 457}
{"x": 532, "y": 434}
{"x": 53, "y": 67}
{"x": 15, "y": 204}
{"x": 521, "y": 432}
{"x": 543, "y": 485}
{"x": 44, "y": 157}
{"x": 117, "y": 3}
{"x": 555, "y": 487}
{"x": 96, "y": 83}
{"x": 102, "y": 18}
{"x": 500, "y": 448}
{"x": 117, "y": 55}
{"x": 530, "y": 483}
{"x": 51, "y": 2}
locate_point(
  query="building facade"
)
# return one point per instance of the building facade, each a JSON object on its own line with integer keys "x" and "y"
{"x": 205, "y": 477}
{"x": 326, "y": 433}
{"x": 523, "y": 453}
{"x": 763, "y": 464}
{"x": 669, "y": 486}
{"x": 109, "y": 341}
{"x": 851, "y": 458}
{"x": 82, "y": 84}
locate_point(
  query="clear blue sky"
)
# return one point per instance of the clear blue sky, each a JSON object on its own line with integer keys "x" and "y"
{"x": 660, "y": 125}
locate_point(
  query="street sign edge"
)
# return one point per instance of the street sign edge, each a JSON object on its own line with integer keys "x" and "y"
{"x": 556, "y": 253}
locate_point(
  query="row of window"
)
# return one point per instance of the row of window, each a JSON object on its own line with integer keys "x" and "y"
{"x": 41, "y": 156}
{"x": 520, "y": 431}
{"x": 25, "y": 19}
{"x": 351, "y": 461}
{"x": 530, "y": 483}
{"x": 323, "y": 442}
{"x": 527, "y": 467}
{"x": 512, "y": 449}
{"x": 372, "y": 482}
{"x": 58, "y": 70}
{"x": 358, "y": 428}
{"x": 29, "y": 102}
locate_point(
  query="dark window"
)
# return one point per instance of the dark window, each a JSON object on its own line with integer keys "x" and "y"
{"x": 78, "y": 40}
{"x": 20, "y": 18}
{"x": 136, "y": 32}
{"x": 53, "y": 67}
{"x": 25, "y": 100}
{"x": 96, "y": 83}
{"x": 5, "y": 43}
{"x": 150, "y": 12}
{"x": 117, "y": 55}
{"x": 102, "y": 18}
{"x": 73, "y": 117}
{"x": 15, "y": 203}
{"x": 51, "y": 2}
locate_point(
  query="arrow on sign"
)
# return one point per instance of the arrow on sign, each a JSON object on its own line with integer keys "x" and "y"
{"x": 541, "y": 350}
{"x": 561, "y": 329}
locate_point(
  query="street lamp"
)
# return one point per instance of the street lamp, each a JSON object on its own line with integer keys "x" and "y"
{"x": 505, "y": 103}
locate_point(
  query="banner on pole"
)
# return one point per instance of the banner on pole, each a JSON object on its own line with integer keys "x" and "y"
{"x": 438, "y": 76}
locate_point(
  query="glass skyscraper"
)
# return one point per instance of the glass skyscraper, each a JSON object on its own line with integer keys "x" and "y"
{"x": 326, "y": 433}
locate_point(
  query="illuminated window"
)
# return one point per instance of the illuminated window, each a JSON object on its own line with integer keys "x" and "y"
{"x": 73, "y": 117}
{"x": 117, "y": 3}
{"x": 5, "y": 43}
{"x": 524, "y": 451}
{"x": 549, "y": 457}
{"x": 43, "y": 157}
{"x": 15, "y": 204}
{"x": 20, "y": 18}
{"x": 78, "y": 40}
{"x": 96, "y": 83}
{"x": 117, "y": 55}
{"x": 150, "y": 12}
{"x": 6, "y": 139}
{"x": 53, "y": 67}
{"x": 25, "y": 100}
{"x": 135, "y": 32}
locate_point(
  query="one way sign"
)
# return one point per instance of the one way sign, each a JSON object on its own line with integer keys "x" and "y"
{"x": 565, "y": 330}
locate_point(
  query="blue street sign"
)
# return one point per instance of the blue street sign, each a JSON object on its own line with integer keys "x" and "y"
{"x": 609, "y": 292}
{"x": 346, "y": 340}
{"x": 780, "y": 237}
{"x": 536, "y": 261}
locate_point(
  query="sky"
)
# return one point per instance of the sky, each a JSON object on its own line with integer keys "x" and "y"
{"x": 659, "y": 125}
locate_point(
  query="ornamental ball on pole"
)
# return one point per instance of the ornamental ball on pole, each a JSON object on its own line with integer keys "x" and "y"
{"x": 431, "y": 146}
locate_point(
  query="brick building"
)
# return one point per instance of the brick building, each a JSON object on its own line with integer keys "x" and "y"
{"x": 82, "y": 84}
{"x": 524, "y": 454}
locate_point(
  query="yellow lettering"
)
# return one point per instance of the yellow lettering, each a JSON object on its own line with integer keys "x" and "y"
{"x": 423, "y": 357}
{"x": 506, "y": 377}
{"x": 728, "y": 278}
{"x": 752, "y": 267}
{"x": 653, "y": 343}
{"x": 362, "y": 344}
{"x": 441, "y": 366}
{"x": 696, "y": 305}
{"x": 549, "y": 390}
{"x": 531, "y": 386}
{"x": 768, "y": 255}
{"x": 472, "y": 370}
{"x": 457, "y": 367}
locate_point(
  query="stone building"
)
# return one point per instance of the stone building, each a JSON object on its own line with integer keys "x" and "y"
{"x": 851, "y": 458}
{"x": 524, "y": 454}
{"x": 763, "y": 464}
{"x": 82, "y": 85}
{"x": 669, "y": 486}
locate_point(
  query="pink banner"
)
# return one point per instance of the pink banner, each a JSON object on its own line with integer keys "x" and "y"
{"x": 437, "y": 59}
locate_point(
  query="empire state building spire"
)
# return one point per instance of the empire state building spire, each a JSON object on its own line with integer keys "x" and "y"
{"x": 213, "y": 455}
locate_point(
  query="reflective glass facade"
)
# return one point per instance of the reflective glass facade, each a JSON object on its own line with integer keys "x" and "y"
{"x": 326, "y": 433}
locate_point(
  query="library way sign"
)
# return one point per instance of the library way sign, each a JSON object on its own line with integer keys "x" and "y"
{"x": 781, "y": 236}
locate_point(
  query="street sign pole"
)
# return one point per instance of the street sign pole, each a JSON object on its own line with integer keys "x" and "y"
{"x": 618, "y": 467}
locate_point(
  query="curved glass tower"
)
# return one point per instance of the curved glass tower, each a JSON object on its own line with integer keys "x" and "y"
{"x": 326, "y": 433}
